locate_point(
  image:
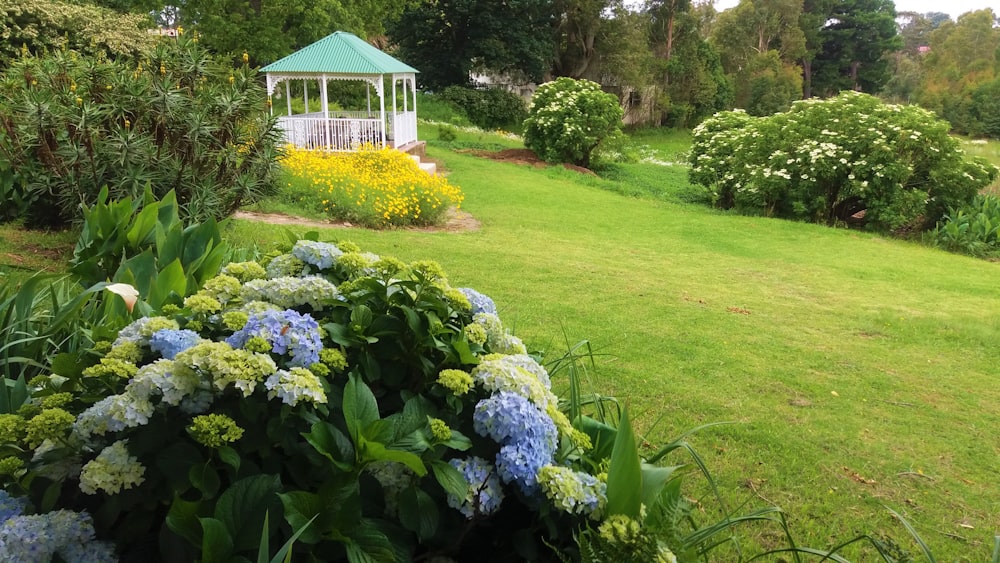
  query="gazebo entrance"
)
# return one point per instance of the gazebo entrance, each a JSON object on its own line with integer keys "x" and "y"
{"x": 343, "y": 56}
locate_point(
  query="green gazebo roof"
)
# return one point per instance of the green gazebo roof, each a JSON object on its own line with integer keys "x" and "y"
{"x": 339, "y": 53}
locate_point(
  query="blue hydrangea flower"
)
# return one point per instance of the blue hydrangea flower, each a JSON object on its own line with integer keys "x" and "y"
{"x": 169, "y": 342}
{"x": 40, "y": 537}
{"x": 287, "y": 332}
{"x": 319, "y": 254}
{"x": 519, "y": 462}
{"x": 480, "y": 303}
{"x": 484, "y": 494}
{"x": 9, "y": 506}
{"x": 288, "y": 292}
{"x": 527, "y": 435}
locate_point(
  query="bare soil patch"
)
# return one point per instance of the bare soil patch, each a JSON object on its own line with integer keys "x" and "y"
{"x": 525, "y": 157}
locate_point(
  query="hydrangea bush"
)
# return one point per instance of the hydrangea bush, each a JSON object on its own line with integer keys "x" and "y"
{"x": 850, "y": 159}
{"x": 569, "y": 118}
{"x": 364, "y": 403}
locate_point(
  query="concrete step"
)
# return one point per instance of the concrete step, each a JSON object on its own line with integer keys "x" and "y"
{"x": 428, "y": 167}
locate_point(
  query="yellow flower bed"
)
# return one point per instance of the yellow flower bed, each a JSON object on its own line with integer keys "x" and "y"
{"x": 374, "y": 187}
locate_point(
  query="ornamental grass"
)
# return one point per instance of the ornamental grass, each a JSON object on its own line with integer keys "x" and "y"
{"x": 371, "y": 187}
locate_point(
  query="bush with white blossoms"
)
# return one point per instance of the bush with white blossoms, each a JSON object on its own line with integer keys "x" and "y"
{"x": 569, "y": 118}
{"x": 848, "y": 159}
{"x": 366, "y": 402}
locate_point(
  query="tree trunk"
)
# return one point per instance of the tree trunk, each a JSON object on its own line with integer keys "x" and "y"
{"x": 854, "y": 75}
{"x": 806, "y": 79}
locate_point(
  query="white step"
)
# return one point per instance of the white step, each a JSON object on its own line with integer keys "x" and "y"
{"x": 428, "y": 167}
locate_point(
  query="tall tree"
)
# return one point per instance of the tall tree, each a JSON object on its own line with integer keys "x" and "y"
{"x": 755, "y": 27}
{"x": 855, "y": 41}
{"x": 578, "y": 27}
{"x": 815, "y": 14}
{"x": 446, "y": 39}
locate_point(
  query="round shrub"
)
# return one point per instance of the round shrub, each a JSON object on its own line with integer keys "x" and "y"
{"x": 848, "y": 159}
{"x": 179, "y": 120}
{"x": 569, "y": 118}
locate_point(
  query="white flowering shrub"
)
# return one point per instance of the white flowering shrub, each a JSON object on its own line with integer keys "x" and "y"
{"x": 569, "y": 118}
{"x": 849, "y": 159}
{"x": 364, "y": 401}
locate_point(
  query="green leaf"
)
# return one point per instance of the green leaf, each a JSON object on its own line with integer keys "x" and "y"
{"x": 449, "y": 478}
{"x": 375, "y": 451}
{"x": 230, "y": 457}
{"x": 361, "y": 318}
{"x": 458, "y": 441}
{"x": 204, "y": 478}
{"x": 653, "y": 480}
{"x": 464, "y": 353}
{"x": 366, "y": 544}
{"x": 216, "y": 544}
{"x": 326, "y": 439}
{"x": 302, "y": 508}
{"x": 601, "y": 435}
{"x": 360, "y": 408}
{"x": 182, "y": 519}
{"x": 418, "y": 512}
{"x": 67, "y": 364}
{"x": 624, "y": 473}
{"x": 243, "y": 505}
{"x": 285, "y": 552}
{"x": 170, "y": 279}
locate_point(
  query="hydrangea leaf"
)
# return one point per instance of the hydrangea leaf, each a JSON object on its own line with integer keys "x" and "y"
{"x": 216, "y": 543}
{"x": 375, "y": 451}
{"x": 449, "y": 478}
{"x": 418, "y": 513}
{"x": 182, "y": 519}
{"x": 360, "y": 408}
{"x": 243, "y": 505}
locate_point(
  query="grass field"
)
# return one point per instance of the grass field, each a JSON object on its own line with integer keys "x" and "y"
{"x": 860, "y": 371}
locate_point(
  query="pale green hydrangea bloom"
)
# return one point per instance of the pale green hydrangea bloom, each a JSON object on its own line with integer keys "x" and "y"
{"x": 455, "y": 380}
{"x": 11, "y": 428}
{"x": 285, "y": 265}
{"x": 202, "y": 303}
{"x": 244, "y": 271}
{"x": 574, "y": 492}
{"x": 495, "y": 374}
{"x": 225, "y": 365}
{"x": 289, "y": 292}
{"x": 222, "y": 288}
{"x": 333, "y": 359}
{"x": 111, "y": 367}
{"x": 112, "y": 470}
{"x": 294, "y": 385}
{"x": 458, "y": 300}
{"x": 497, "y": 338}
{"x": 214, "y": 430}
{"x": 440, "y": 430}
{"x": 475, "y": 333}
{"x": 126, "y": 351}
{"x": 50, "y": 423}
{"x": 234, "y": 320}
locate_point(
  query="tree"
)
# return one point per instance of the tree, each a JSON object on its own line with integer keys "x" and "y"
{"x": 752, "y": 28}
{"x": 447, "y": 39}
{"x": 855, "y": 39}
{"x": 577, "y": 31}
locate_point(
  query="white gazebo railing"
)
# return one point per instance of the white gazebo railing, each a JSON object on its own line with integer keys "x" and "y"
{"x": 331, "y": 134}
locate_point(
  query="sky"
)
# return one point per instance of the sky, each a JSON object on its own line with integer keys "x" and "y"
{"x": 952, "y": 7}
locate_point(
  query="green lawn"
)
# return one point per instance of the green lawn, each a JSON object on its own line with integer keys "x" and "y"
{"x": 860, "y": 371}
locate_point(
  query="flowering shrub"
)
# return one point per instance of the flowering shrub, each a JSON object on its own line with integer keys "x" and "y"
{"x": 569, "y": 118}
{"x": 849, "y": 158}
{"x": 361, "y": 401}
{"x": 177, "y": 119}
{"x": 373, "y": 187}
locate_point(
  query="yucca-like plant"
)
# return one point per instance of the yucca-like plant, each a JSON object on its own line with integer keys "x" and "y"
{"x": 177, "y": 120}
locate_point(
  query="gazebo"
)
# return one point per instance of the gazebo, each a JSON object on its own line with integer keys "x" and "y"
{"x": 344, "y": 56}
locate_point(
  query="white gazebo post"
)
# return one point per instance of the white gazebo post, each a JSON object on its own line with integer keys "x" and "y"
{"x": 343, "y": 56}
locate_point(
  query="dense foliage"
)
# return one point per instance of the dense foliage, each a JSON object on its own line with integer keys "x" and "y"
{"x": 177, "y": 120}
{"x": 847, "y": 159}
{"x": 569, "y": 118}
{"x": 488, "y": 108}
{"x": 358, "y": 400}
{"x": 37, "y": 26}
{"x": 973, "y": 229}
{"x": 371, "y": 187}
